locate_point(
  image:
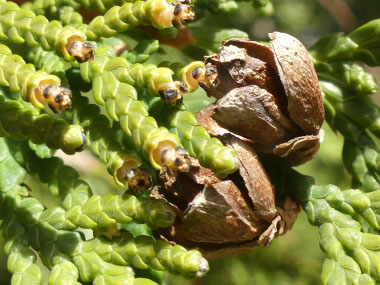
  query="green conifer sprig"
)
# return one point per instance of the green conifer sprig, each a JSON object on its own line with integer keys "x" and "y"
{"x": 33, "y": 85}
{"x": 157, "y": 80}
{"x": 110, "y": 209}
{"x": 142, "y": 51}
{"x": 120, "y": 100}
{"x": 352, "y": 255}
{"x": 26, "y": 221}
{"x": 230, "y": 6}
{"x": 360, "y": 156}
{"x": 139, "y": 54}
{"x": 152, "y": 77}
{"x": 346, "y": 85}
{"x": 68, "y": 16}
{"x": 62, "y": 180}
{"x": 41, "y": 6}
{"x": 360, "y": 109}
{"x": 64, "y": 12}
{"x": 347, "y": 88}
{"x": 22, "y": 123}
{"x": 343, "y": 219}
{"x": 21, "y": 222}
{"x": 210, "y": 151}
{"x": 20, "y": 25}
{"x": 348, "y": 220}
{"x": 143, "y": 252}
{"x": 362, "y": 45}
{"x": 106, "y": 211}
{"x": 103, "y": 142}
{"x": 21, "y": 259}
{"x": 41, "y": 150}
{"x": 157, "y": 13}
{"x": 48, "y": 62}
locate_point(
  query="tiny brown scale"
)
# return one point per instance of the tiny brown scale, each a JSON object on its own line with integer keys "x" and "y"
{"x": 138, "y": 179}
{"x": 81, "y": 51}
{"x": 183, "y": 13}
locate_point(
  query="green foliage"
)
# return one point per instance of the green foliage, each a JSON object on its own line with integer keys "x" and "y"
{"x": 349, "y": 108}
{"x": 41, "y": 6}
{"x": 210, "y": 38}
{"x": 62, "y": 180}
{"x": 21, "y": 262}
{"x": 22, "y": 77}
{"x": 10, "y": 172}
{"x": 100, "y": 212}
{"x": 143, "y": 252}
{"x": 143, "y": 50}
{"x": 60, "y": 250}
{"x": 23, "y": 26}
{"x": 210, "y": 151}
{"x": 347, "y": 220}
{"x": 48, "y": 62}
{"x": 107, "y": 237}
{"x": 229, "y": 6}
{"x": 120, "y": 99}
{"x": 22, "y": 123}
{"x": 41, "y": 150}
{"x": 101, "y": 139}
{"x": 68, "y": 16}
{"x": 362, "y": 44}
{"x": 120, "y": 18}
{"x": 150, "y": 76}
{"x": 343, "y": 218}
{"x": 139, "y": 54}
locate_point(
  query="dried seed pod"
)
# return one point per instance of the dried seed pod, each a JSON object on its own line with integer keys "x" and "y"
{"x": 298, "y": 76}
{"x": 224, "y": 217}
{"x": 270, "y": 96}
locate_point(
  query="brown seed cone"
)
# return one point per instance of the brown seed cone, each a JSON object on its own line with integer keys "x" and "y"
{"x": 268, "y": 96}
{"x": 224, "y": 217}
{"x": 297, "y": 74}
{"x": 254, "y": 117}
